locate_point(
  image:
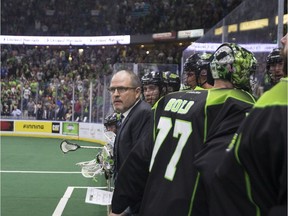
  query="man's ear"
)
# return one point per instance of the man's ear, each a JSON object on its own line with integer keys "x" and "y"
{"x": 164, "y": 91}
{"x": 138, "y": 91}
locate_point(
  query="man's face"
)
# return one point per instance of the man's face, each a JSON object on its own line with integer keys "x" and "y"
{"x": 276, "y": 70}
{"x": 112, "y": 128}
{"x": 124, "y": 98}
{"x": 170, "y": 89}
{"x": 151, "y": 93}
{"x": 190, "y": 79}
{"x": 203, "y": 76}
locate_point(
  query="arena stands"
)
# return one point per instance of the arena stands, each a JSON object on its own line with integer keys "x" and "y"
{"x": 98, "y": 18}
{"x": 51, "y": 82}
{"x": 45, "y": 76}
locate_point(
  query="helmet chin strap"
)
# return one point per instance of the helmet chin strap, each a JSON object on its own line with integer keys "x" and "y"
{"x": 203, "y": 83}
{"x": 200, "y": 84}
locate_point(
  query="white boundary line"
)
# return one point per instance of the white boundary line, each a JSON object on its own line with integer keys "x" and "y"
{"x": 38, "y": 172}
{"x": 63, "y": 201}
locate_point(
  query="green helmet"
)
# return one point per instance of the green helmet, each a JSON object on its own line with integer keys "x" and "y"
{"x": 153, "y": 77}
{"x": 111, "y": 119}
{"x": 171, "y": 80}
{"x": 233, "y": 63}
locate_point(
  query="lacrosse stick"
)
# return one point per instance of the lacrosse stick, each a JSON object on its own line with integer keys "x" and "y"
{"x": 102, "y": 164}
{"x": 89, "y": 169}
{"x": 108, "y": 151}
{"x": 110, "y": 136}
{"x": 67, "y": 146}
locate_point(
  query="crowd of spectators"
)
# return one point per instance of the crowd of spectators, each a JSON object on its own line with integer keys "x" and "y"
{"x": 40, "y": 80}
{"x": 102, "y": 17}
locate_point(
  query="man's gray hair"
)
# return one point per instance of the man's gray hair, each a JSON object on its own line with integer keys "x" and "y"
{"x": 135, "y": 80}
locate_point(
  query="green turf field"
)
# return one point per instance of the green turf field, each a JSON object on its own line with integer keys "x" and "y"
{"x": 35, "y": 175}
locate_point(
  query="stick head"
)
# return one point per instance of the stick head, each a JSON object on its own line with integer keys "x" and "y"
{"x": 110, "y": 136}
{"x": 67, "y": 146}
{"x": 89, "y": 169}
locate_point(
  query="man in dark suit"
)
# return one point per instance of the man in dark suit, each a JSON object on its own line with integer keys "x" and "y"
{"x": 125, "y": 89}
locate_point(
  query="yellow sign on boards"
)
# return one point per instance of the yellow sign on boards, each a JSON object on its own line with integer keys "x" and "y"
{"x": 30, "y": 126}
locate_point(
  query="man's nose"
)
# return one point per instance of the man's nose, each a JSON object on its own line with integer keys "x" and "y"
{"x": 116, "y": 93}
{"x": 279, "y": 66}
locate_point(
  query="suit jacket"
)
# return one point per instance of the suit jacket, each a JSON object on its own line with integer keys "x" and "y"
{"x": 131, "y": 131}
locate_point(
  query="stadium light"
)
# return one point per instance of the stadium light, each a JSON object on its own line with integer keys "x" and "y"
{"x": 254, "y": 24}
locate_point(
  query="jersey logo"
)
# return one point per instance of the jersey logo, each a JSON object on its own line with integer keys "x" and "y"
{"x": 178, "y": 106}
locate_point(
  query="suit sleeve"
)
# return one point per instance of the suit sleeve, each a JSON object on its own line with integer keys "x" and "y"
{"x": 132, "y": 176}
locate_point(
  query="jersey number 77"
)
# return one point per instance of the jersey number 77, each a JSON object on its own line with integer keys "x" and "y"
{"x": 181, "y": 131}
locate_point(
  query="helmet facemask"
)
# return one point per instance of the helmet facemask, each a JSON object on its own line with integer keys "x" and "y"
{"x": 151, "y": 80}
{"x": 274, "y": 66}
{"x": 203, "y": 73}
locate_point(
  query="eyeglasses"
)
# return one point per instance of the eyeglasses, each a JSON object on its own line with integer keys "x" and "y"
{"x": 120, "y": 89}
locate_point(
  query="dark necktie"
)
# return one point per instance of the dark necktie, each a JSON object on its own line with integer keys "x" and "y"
{"x": 121, "y": 120}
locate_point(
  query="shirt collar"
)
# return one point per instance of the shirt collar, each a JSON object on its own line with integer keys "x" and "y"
{"x": 125, "y": 114}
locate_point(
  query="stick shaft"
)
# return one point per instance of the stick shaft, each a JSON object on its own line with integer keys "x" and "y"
{"x": 90, "y": 147}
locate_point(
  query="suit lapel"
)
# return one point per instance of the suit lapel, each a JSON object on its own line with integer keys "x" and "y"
{"x": 119, "y": 132}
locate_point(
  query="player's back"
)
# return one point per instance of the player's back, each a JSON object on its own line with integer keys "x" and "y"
{"x": 182, "y": 122}
{"x": 256, "y": 162}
